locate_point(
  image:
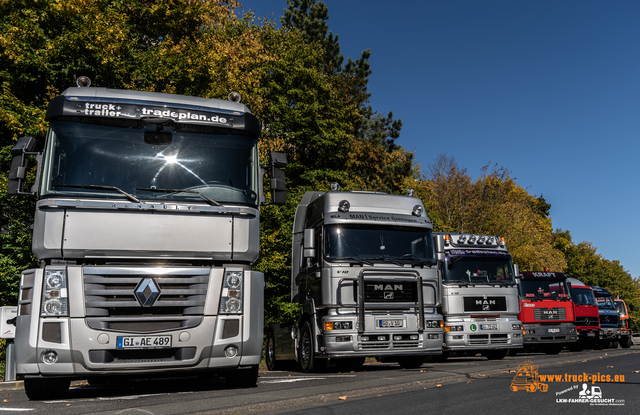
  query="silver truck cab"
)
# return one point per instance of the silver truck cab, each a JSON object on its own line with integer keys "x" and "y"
{"x": 480, "y": 303}
{"x": 364, "y": 274}
{"x": 146, "y": 228}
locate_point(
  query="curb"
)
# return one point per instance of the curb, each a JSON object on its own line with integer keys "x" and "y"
{"x": 11, "y": 386}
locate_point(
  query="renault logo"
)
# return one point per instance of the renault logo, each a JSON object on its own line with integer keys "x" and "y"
{"x": 147, "y": 292}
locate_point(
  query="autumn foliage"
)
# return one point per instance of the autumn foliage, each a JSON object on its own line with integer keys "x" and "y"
{"x": 313, "y": 106}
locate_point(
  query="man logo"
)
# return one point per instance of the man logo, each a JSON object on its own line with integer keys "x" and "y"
{"x": 388, "y": 287}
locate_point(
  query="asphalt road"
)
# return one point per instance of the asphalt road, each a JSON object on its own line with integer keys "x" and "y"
{"x": 470, "y": 384}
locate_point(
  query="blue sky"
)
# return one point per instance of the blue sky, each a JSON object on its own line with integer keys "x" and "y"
{"x": 548, "y": 89}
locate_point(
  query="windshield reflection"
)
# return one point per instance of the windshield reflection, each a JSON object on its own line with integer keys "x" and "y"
{"x": 475, "y": 270}
{"x": 582, "y": 296}
{"x": 543, "y": 289}
{"x": 222, "y": 167}
{"x": 378, "y": 244}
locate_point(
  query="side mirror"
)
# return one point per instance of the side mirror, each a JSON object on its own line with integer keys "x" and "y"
{"x": 439, "y": 249}
{"x": 516, "y": 270}
{"x": 278, "y": 182}
{"x": 19, "y": 164}
{"x": 309, "y": 244}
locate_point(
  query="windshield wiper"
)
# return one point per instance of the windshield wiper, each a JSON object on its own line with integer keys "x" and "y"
{"x": 101, "y": 187}
{"x": 208, "y": 199}
{"x": 352, "y": 259}
{"x": 381, "y": 258}
{"x": 415, "y": 260}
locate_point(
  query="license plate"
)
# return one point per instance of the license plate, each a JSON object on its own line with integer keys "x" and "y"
{"x": 591, "y": 335}
{"x": 143, "y": 342}
{"x": 390, "y": 323}
{"x": 488, "y": 327}
{"x": 553, "y": 330}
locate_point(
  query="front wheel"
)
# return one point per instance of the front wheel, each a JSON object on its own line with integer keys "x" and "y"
{"x": 40, "y": 389}
{"x": 270, "y": 352}
{"x": 626, "y": 342}
{"x": 307, "y": 353}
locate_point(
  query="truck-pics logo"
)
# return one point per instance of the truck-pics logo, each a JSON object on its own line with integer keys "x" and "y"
{"x": 527, "y": 378}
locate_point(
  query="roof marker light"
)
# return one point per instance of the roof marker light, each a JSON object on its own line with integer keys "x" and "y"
{"x": 447, "y": 240}
{"x": 411, "y": 192}
{"x": 417, "y": 210}
{"x": 472, "y": 239}
{"x": 335, "y": 187}
{"x": 344, "y": 206}
{"x": 83, "y": 82}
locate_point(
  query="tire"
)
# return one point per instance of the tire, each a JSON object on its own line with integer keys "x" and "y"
{"x": 242, "y": 378}
{"x": 40, "y": 389}
{"x": 411, "y": 362}
{"x": 552, "y": 348}
{"x": 270, "y": 352}
{"x": 306, "y": 351}
{"x": 495, "y": 354}
{"x": 626, "y": 342}
{"x": 348, "y": 362}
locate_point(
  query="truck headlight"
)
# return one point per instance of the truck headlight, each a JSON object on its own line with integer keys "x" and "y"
{"x": 231, "y": 299}
{"x": 54, "y": 293}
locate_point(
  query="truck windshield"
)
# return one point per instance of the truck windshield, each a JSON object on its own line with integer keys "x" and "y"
{"x": 473, "y": 270}
{"x": 543, "y": 289}
{"x": 378, "y": 244}
{"x": 582, "y": 296}
{"x": 90, "y": 160}
{"x": 606, "y": 302}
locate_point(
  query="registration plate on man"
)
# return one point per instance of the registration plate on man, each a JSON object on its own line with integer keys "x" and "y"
{"x": 143, "y": 342}
{"x": 390, "y": 323}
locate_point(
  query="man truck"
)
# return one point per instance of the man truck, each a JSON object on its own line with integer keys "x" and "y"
{"x": 146, "y": 228}
{"x": 546, "y": 311}
{"x": 364, "y": 275}
{"x": 480, "y": 302}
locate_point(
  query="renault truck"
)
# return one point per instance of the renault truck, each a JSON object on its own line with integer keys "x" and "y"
{"x": 146, "y": 228}
{"x": 364, "y": 278}
{"x": 480, "y": 302}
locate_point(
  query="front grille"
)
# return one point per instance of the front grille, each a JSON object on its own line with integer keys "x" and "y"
{"x": 478, "y": 339}
{"x": 111, "y": 302}
{"x": 547, "y": 314}
{"x": 587, "y": 321}
{"x": 609, "y": 320}
{"x": 499, "y": 339}
{"x": 374, "y": 345}
{"x": 397, "y": 291}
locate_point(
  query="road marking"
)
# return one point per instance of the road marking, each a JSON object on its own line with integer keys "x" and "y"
{"x": 290, "y": 379}
{"x": 16, "y": 409}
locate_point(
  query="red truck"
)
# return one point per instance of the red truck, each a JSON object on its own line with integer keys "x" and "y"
{"x": 586, "y": 313}
{"x": 546, "y": 311}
